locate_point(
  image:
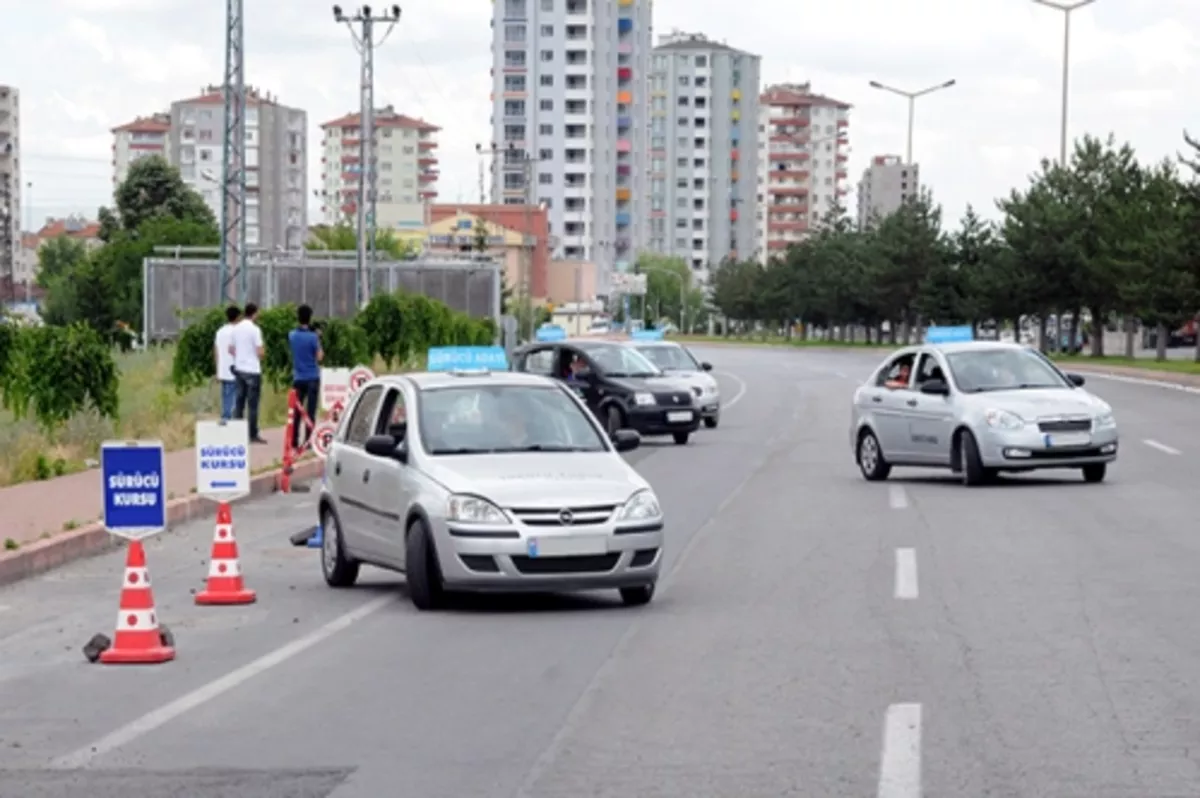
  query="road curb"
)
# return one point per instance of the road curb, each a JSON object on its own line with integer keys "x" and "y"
{"x": 87, "y": 541}
{"x": 1139, "y": 376}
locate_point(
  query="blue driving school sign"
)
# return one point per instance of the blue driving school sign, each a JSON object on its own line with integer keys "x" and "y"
{"x": 550, "y": 332}
{"x": 466, "y": 358}
{"x": 949, "y": 335}
{"x": 134, "y": 487}
{"x": 647, "y": 335}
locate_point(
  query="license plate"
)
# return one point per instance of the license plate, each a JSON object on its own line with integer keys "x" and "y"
{"x": 681, "y": 415}
{"x": 567, "y": 546}
{"x": 1061, "y": 439}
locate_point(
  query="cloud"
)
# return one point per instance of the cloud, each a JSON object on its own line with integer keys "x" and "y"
{"x": 92, "y": 64}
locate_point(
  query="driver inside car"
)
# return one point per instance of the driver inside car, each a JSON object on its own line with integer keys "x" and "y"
{"x": 901, "y": 378}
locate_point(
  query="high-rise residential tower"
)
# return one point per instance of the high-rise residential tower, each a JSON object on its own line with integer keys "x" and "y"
{"x": 886, "y": 184}
{"x": 10, "y": 189}
{"x": 703, "y": 151}
{"x": 569, "y": 116}
{"x": 802, "y": 173}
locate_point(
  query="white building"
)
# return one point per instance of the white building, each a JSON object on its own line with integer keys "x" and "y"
{"x": 802, "y": 176}
{"x": 569, "y": 112}
{"x": 10, "y": 190}
{"x": 703, "y": 151}
{"x": 407, "y": 177}
{"x": 143, "y": 137}
{"x": 886, "y": 185}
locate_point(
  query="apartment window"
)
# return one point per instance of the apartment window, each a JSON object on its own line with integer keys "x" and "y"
{"x": 206, "y": 135}
{"x": 698, "y": 184}
{"x": 547, "y": 55}
{"x": 546, "y": 80}
{"x": 545, "y": 130}
{"x": 547, "y": 5}
{"x": 514, "y": 34}
{"x": 546, "y": 179}
{"x": 681, "y": 243}
{"x": 514, "y": 58}
{"x": 697, "y": 224}
{"x": 681, "y": 183}
{"x": 681, "y": 163}
{"x": 407, "y": 149}
{"x": 681, "y": 203}
{"x": 701, "y": 61}
{"x": 514, "y": 8}
{"x": 698, "y": 205}
{"x": 701, "y": 102}
{"x": 701, "y": 82}
{"x": 547, "y": 30}
{"x": 546, "y": 105}
{"x": 699, "y": 121}
{"x": 698, "y": 143}
{"x": 545, "y": 155}
{"x": 683, "y": 80}
{"x": 680, "y": 224}
{"x": 683, "y": 101}
{"x": 681, "y": 121}
{"x": 514, "y": 107}
{"x": 511, "y": 83}
{"x": 698, "y": 163}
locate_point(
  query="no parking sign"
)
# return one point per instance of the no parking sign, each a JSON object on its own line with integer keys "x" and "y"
{"x": 359, "y": 377}
{"x": 323, "y": 439}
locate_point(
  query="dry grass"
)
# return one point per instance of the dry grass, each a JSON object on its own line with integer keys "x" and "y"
{"x": 150, "y": 410}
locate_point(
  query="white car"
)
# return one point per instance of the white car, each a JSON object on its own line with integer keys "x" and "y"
{"x": 677, "y": 361}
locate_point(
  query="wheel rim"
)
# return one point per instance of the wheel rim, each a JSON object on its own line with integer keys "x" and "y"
{"x": 329, "y": 546}
{"x": 868, "y": 453}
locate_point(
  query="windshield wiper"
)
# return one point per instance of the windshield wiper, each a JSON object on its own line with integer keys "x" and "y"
{"x": 615, "y": 374}
{"x": 643, "y": 374}
{"x": 462, "y": 450}
{"x": 547, "y": 447}
{"x": 1025, "y": 386}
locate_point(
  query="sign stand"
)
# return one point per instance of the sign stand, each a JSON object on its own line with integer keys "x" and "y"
{"x": 223, "y": 475}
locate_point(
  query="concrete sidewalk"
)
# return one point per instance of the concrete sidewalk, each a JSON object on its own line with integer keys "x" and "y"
{"x": 50, "y": 507}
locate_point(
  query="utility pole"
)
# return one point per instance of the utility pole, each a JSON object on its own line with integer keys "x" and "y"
{"x": 912, "y": 97}
{"x": 484, "y": 165}
{"x": 364, "y": 43}
{"x": 233, "y": 160}
{"x": 1066, "y": 9}
{"x": 529, "y": 240}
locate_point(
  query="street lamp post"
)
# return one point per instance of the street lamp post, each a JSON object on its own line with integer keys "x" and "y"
{"x": 1066, "y": 9}
{"x": 682, "y": 291}
{"x": 912, "y": 96}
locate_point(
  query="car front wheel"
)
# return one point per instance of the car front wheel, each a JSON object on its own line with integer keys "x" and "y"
{"x": 421, "y": 569}
{"x": 712, "y": 421}
{"x": 870, "y": 458}
{"x": 338, "y": 569}
{"x": 637, "y": 596}
{"x": 1095, "y": 472}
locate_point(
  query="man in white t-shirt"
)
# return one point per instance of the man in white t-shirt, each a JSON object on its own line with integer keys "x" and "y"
{"x": 247, "y": 350}
{"x": 224, "y": 361}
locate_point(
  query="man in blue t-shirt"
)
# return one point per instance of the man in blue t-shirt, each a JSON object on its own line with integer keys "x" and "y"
{"x": 305, "y": 344}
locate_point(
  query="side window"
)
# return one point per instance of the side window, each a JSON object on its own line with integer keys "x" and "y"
{"x": 395, "y": 411}
{"x": 362, "y": 420}
{"x": 929, "y": 369}
{"x": 896, "y": 374}
{"x": 540, "y": 362}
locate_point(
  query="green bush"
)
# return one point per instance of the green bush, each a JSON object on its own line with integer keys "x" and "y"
{"x": 55, "y": 372}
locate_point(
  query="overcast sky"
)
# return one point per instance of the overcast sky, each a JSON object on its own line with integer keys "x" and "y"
{"x": 85, "y": 66}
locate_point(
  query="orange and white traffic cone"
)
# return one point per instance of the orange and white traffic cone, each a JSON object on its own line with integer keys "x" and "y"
{"x": 138, "y": 640}
{"x": 225, "y": 583}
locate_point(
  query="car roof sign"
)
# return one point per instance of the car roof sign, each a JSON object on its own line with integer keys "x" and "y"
{"x": 550, "y": 332}
{"x": 949, "y": 335}
{"x": 647, "y": 335}
{"x": 466, "y": 359}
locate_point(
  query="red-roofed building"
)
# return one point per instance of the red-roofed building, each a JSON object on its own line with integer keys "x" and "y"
{"x": 525, "y": 220}
{"x": 75, "y": 227}
{"x": 406, "y": 177}
{"x": 144, "y": 136}
{"x": 803, "y": 167}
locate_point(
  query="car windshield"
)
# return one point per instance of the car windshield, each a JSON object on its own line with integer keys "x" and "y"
{"x": 1004, "y": 369}
{"x": 493, "y": 419}
{"x": 621, "y": 361}
{"x": 670, "y": 358}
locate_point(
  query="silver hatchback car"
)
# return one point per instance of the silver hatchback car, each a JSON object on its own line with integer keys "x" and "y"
{"x": 979, "y": 408}
{"x": 495, "y": 481}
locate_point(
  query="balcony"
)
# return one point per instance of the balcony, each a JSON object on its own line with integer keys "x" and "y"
{"x": 430, "y": 194}
{"x": 427, "y": 177}
{"x": 624, "y": 195}
{"x": 624, "y": 3}
{"x": 624, "y": 145}
{"x": 843, "y": 123}
{"x": 734, "y": 154}
{"x": 788, "y": 207}
{"x": 624, "y": 122}
{"x": 735, "y": 115}
{"x": 624, "y": 73}
{"x": 841, "y": 174}
{"x": 624, "y": 25}
{"x": 623, "y": 219}
{"x": 625, "y": 48}
{"x": 734, "y": 175}
{"x": 789, "y": 156}
{"x": 736, "y": 95}
{"x": 426, "y": 160}
{"x": 786, "y": 174}
{"x": 788, "y": 191}
{"x": 625, "y": 97}
{"x": 789, "y": 121}
{"x": 427, "y": 144}
{"x": 733, "y": 214}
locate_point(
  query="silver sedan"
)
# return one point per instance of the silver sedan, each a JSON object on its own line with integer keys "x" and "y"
{"x": 979, "y": 408}
{"x": 486, "y": 482}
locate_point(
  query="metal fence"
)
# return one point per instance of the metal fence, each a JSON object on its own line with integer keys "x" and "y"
{"x": 325, "y": 282}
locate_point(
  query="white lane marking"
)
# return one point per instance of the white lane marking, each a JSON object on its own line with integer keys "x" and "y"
{"x": 214, "y": 689}
{"x": 900, "y": 766}
{"x": 1162, "y": 447}
{"x": 1174, "y": 386}
{"x": 897, "y": 498}
{"x": 737, "y": 397}
{"x": 840, "y": 375}
{"x": 906, "y": 573}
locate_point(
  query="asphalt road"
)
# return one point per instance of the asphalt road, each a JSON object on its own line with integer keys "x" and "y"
{"x": 816, "y": 635}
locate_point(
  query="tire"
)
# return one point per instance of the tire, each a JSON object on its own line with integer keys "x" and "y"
{"x": 712, "y": 421}
{"x": 1095, "y": 472}
{"x": 613, "y": 420}
{"x": 970, "y": 464}
{"x": 638, "y": 596}
{"x": 421, "y": 569}
{"x": 339, "y": 570}
{"x": 681, "y": 438}
{"x": 869, "y": 455}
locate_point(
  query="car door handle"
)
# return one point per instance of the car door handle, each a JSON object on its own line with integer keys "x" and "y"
{"x": 337, "y": 469}
{"x": 911, "y": 403}
{"x": 367, "y": 476}
{"x": 876, "y": 399}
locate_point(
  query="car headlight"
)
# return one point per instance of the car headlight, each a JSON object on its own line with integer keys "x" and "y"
{"x": 643, "y": 399}
{"x": 1105, "y": 420}
{"x": 642, "y": 506}
{"x": 1003, "y": 419}
{"x": 467, "y": 509}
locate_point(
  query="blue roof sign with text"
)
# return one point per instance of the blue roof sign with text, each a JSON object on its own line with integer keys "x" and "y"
{"x": 949, "y": 335}
{"x": 550, "y": 332}
{"x": 467, "y": 358}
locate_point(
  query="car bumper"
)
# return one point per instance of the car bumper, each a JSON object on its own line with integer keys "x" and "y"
{"x": 1027, "y": 449}
{"x": 710, "y": 407}
{"x": 657, "y": 420}
{"x": 533, "y": 559}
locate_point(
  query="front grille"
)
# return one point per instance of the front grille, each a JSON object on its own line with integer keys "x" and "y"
{"x": 672, "y": 398}
{"x": 552, "y": 516}
{"x": 1066, "y": 425}
{"x": 589, "y": 564}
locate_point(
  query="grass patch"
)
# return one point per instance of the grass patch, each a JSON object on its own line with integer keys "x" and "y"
{"x": 1170, "y": 366}
{"x": 776, "y": 340}
{"x": 150, "y": 409}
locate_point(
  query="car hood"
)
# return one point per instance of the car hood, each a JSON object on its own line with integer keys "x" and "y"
{"x": 1033, "y": 403}
{"x": 652, "y": 384}
{"x": 539, "y": 479}
{"x": 694, "y": 379}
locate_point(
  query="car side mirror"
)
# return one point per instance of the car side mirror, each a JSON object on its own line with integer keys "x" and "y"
{"x": 706, "y": 366}
{"x": 626, "y": 440}
{"x": 1076, "y": 379}
{"x": 935, "y": 388}
{"x": 387, "y": 446}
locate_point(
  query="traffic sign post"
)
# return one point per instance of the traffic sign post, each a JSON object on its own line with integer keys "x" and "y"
{"x": 359, "y": 377}
{"x": 222, "y": 459}
{"x": 335, "y": 388}
{"x": 135, "y": 488}
{"x": 323, "y": 439}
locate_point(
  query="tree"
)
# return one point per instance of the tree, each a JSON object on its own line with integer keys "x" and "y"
{"x": 153, "y": 188}
{"x": 343, "y": 237}
{"x": 57, "y": 257}
{"x": 480, "y": 236}
{"x": 668, "y": 283}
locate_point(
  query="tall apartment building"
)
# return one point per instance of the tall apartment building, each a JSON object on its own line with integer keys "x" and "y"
{"x": 570, "y": 106}
{"x": 703, "y": 151}
{"x": 143, "y": 137}
{"x": 803, "y": 150}
{"x": 886, "y": 184}
{"x": 10, "y": 190}
{"x": 407, "y": 176}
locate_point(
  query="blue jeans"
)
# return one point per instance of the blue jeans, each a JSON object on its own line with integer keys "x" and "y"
{"x": 228, "y": 398}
